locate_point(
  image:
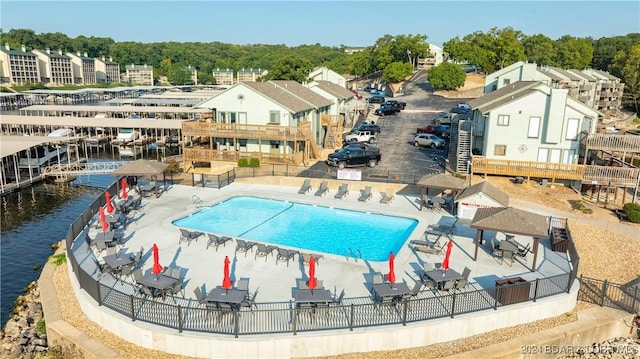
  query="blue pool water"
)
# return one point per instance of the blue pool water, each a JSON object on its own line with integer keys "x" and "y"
{"x": 316, "y": 228}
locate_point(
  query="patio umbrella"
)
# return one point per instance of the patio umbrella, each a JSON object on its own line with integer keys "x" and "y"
{"x": 313, "y": 283}
{"x": 124, "y": 188}
{"x": 157, "y": 268}
{"x": 391, "y": 277}
{"x": 445, "y": 262}
{"x": 103, "y": 220}
{"x": 107, "y": 196}
{"x": 226, "y": 281}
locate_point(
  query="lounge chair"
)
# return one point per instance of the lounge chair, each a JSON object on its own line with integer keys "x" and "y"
{"x": 365, "y": 195}
{"x": 324, "y": 187}
{"x": 244, "y": 246}
{"x": 188, "y": 236}
{"x": 264, "y": 250}
{"x": 342, "y": 191}
{"x": 306, "y": 257}
{"x": 387, "y": 197}
{"x": 428, "y": 249}
{"x": 285, "y": 255}
{"x": 306, "y": 186}
{"x": 216, "y": 241}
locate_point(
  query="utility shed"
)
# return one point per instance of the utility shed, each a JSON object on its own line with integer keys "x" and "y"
{"x": 480, "y": 195}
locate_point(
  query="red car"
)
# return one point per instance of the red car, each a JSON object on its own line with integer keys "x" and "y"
{"x": 441, "y": 131}
{"x": 357, "y": 95}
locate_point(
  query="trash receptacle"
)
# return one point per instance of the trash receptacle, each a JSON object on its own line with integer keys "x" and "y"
{"x": 544, "y": 182}
{"x": 519, "y": 180}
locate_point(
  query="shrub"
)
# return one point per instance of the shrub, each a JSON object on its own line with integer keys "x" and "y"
{"x": 58, "y": 259}
{"x": 243, "y": 162}
{"x": 254, "y": 162}
{"x": 633, "y": 212}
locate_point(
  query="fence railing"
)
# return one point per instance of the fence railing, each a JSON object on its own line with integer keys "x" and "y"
{"x": 284, "y": 317}
{"x": 607, "y": 294}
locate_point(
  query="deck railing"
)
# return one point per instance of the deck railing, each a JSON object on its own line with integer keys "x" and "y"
{"x": 283, "y": 317}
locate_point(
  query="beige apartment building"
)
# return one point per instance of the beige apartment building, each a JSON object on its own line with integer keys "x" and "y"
{"x": 107, "y": 71}
{"x": 140, "y": 74}
{"x": 224, "y": 76}
{"x": 18, "y": 66}
{"x": 250, "y": 75}
{"x": 84, "y": 68}
{"x": 193, "y": 72}
{"x": 55, "y": 67}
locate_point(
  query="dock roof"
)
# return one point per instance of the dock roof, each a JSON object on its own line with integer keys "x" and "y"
{"x": 89, "y": 122}
{"x": 113, "y": 108}
{"x": 15, "y": 144}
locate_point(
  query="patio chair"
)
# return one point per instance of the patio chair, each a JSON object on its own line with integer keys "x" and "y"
{"x": 523, "y": 251}
{"x": 101, "y": 245}
{"x": 338, "y": 299}
{"x": 216, "y": 241}
{"x": 324, "y": 187}
{"x": 284, "y": 255}
{"x": 250, "y": 301}
{"x": 460, "y": 284}
{"x": 448, "y": 285}
{"x": 465, "y": 272}
{"x": 365, "y": 195}
{"x": 243, "y": 284}
{"x": 111, "y": 251}
{"x": 146, "y": 291}
{"x": 264, "y": 250}
{"x": 428, "y": 249}
{"x": 343, "y": 190}
{"x": 377, "y": 278}
{"x": 301, "y": 284}
{"x": 137, "y": 275}
{"x": 175, "y": 289}
{"x": 174, "y": 273}
{"x": 188, "y": 236}
{"x": 244, "y": 246}
{"x": 138, "y": 257}
{"x": 306, "y": 186}
{"x": 126, "y": 271}
{"x": 199, "y": 296}
{"x": 102, "y": 268}
{"x": 387, "y": 197}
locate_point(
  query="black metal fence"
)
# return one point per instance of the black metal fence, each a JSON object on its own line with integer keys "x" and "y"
{"x": 283, "y": 317}
{"x": 607, "y": 294}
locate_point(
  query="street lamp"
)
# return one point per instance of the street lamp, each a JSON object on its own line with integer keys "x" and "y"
{"x": 409, "y": 55}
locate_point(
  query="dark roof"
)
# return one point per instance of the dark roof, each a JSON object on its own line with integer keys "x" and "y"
{"x": 16, "y": 52}
{"x": 503, "y": 95}
{"x": 304, "y": 93}
{"x": 442, "y": 180}
{"x": 141, "y": 168}
{"x": 511, "y": 220}
{"x": 488, "y": 189}
{"x": 276, "y": 94}
{"x": 335, "y": 89}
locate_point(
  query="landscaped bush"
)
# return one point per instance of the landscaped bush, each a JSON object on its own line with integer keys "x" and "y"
{"x": 254, "y": 162}
{"x": 633, "y": 212}
{"x": 243, "y": 162}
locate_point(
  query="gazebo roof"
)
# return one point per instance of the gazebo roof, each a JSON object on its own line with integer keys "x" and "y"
{"x": 141, "y": 168}
{"x": 488, "y": 189}
{"x": 511, "y": 220}
{"x": 442, "y": 180}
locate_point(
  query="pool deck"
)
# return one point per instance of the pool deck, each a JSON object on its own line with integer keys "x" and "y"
{"x": 275, "y": 281}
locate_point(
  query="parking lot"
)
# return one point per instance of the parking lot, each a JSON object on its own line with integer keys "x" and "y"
{"x": 401, "y": 161}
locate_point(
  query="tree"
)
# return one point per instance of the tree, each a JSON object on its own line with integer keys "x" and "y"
{"x": 628, "y": 65}
{"x": 360, "y": 62}
{"x": 446, "y": 76}
{"x": 539, "y": 49}
{"x": 507, "y": 45}
{"x": 573, "y": 53}
{"x": 604, "y": 49}
{"x": 206, "y": 78}
{"x": 290, "y": 68}
{"x": 397, "y": 71}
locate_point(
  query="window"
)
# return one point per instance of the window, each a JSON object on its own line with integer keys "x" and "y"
{"x": 568, "y": 156}
{"x": 543, "y": 154}
{"x": 275, "y": 144}
{"x": 500, "y": 150}
{"x": 505, "y": 82}
{"x": 274, "y": 117}
{"x": 503, "y": 120}
{"x": 572, "y": 129}
{"x": 555, "y": 155}
{"x": 242, "y": 142}
{"x": 534, "y": 127}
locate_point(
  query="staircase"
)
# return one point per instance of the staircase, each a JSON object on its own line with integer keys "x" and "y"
{"x": 305, "y": 129}
{"x": 333, "y": 137}
{"x": 460, "y": 146}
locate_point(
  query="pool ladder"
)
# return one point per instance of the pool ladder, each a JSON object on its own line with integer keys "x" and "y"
{"x": 355, "y": 255}
{"x": 197, "y": 201}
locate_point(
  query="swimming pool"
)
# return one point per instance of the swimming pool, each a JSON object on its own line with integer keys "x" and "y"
{"x": 316, "y": 228}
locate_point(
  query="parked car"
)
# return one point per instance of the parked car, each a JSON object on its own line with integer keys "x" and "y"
{"x": 376, "y": 99}
{"x": 442, "y": 131}
{"x": 465, "y": 106}
{"x": 444, "y": 117}
{"x": 356, "y": 94}
{"x": 428, "y": 140}
{"x": 355, "y": 155}
{"x": 385, "y": 111}
{"x": 361, "y": 136}
{"x": 395, "y": 104}
{"x": 368, "y": 127}
{"x": 460, "y": 110}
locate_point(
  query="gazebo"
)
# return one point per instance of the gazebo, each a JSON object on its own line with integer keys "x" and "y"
{"x": 510, "y": 220}
{"x": 440, "y": 181}
{"x": 143, "y": 168}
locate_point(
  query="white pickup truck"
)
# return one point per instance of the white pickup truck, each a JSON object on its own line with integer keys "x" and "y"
{"x": 361, "y": 136}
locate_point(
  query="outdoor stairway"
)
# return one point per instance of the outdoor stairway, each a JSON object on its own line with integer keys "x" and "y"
{"x": 460, "y": 147}
{"x": 306, "y": 132}
{"x": 333, "y": 137}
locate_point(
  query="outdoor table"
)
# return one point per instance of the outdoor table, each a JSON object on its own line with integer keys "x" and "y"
{"x": 312, "y": 296}
{"x": 231, "y": 296}
{"x": 126, "y": 205}
{"x": 158, "y": 283}
{"x": 106, "y": 237}
{"x": 117, "y": 261}
{"x": 440, "y": 276}
{"x": 390, "y": 290}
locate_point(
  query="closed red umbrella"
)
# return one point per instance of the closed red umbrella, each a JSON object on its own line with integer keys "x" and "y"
{"x": 107, "y": 196}
{"x": 157, "y": 268}
{"x": 124, "y": 187}
{"x": 313, "y": 283}
{"x": 445, "y": 262}
{"x": 391, "y": 277}
{"x": 226, "y": 281}
{"x": 103, "y": 220}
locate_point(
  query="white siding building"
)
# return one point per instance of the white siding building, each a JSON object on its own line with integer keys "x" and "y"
{"x": 18, "y": 66}
{"x": 107, "y": 71}
{"x": 84, "y": 69}
{"x": 140, "y": 74}
{"x": 480, "y": 195}
{"x": 326, "y": 74}
{"x": 55, "y": 68}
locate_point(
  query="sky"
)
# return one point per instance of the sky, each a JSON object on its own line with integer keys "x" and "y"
{"x": 329, "y": 23}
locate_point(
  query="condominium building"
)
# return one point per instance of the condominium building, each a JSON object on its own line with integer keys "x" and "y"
{"x": 84, "y": 68}
{"x": 55, "y": 67}
{"x": 18, "y": 66}
{"x": 224, "y": 76}
{"x": 140, "y": 74}
{"x": 193, "y": 72}
{"x": 250, "y": 75}
{"x": 107, "y": 71}
{"x": 435, "y": 58}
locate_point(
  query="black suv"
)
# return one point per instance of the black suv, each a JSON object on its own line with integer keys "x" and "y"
{"x": 368, "y": 127}
{"x": 355, "y": 155}
{"x": 385, "y": 110}
{"x": 395, "y": 104}
{"x": 376, "y": 99}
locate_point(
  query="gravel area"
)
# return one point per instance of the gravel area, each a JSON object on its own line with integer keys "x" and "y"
{"x": 592, "y": 243}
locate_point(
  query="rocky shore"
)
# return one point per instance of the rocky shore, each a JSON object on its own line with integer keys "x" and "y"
{"x": 24, "y": 335}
